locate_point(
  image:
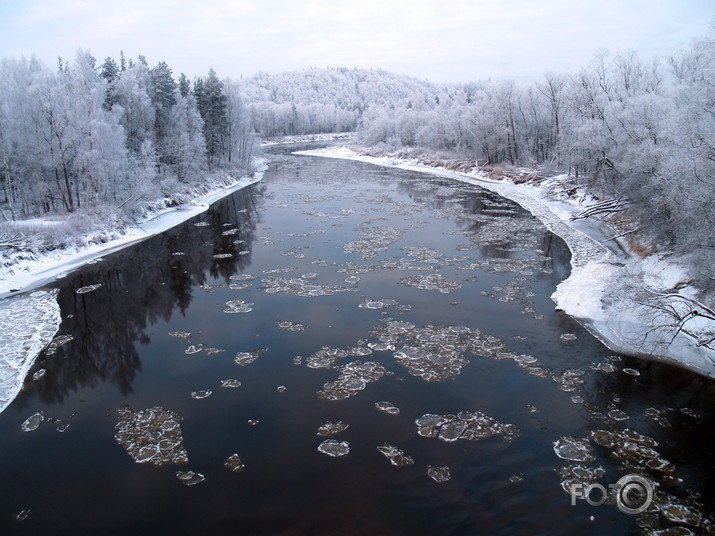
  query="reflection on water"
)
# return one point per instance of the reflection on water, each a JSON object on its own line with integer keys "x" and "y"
{"x": 344, "y": 349}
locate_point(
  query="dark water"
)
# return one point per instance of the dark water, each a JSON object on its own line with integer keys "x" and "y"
{"x": 303, "y": 216}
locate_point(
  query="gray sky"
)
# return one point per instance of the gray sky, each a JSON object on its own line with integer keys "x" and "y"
{"x": 452, "y": 41}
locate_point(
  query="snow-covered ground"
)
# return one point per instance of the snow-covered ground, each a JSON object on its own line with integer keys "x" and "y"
{"x": 608, "y": 291}
{"x": 28, "y": 322}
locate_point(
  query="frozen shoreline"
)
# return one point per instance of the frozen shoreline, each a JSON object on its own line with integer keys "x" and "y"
{"x": 30, "y": 320}
{"x": 604, "y": 291}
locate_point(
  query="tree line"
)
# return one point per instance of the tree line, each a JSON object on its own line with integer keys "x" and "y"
{"x": 88, "y": 135}
{"x": 639, "y": 132}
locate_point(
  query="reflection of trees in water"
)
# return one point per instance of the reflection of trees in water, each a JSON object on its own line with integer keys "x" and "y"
{"x": 140, "y": 285}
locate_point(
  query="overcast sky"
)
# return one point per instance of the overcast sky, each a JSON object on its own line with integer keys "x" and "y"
{"x": 452, "y": 41}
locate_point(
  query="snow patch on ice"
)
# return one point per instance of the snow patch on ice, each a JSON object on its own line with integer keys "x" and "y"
{"x": 27, "y": 325}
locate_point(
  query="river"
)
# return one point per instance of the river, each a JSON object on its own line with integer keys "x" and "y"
{"x": 345, "y": 349}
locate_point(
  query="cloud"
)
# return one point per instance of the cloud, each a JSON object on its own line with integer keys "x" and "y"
{"x": 458, "y": 41}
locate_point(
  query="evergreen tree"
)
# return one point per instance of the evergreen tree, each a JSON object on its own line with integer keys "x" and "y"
{"x": 162, "y": 91}
{"x": 212, "y": 107}
{"x": 110, "y": 72}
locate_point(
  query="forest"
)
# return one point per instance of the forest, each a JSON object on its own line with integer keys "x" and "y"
{"x": 112, "y": 137}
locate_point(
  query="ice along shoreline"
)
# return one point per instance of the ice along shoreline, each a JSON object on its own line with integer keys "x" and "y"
{"x": 605, "y": 289}
{"x": 30, "y": 318}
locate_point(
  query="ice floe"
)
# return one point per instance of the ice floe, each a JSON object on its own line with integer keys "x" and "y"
{"x": 334, "y": 449}
{"x": 287, "y": 325}
{"x": 387, "y": 407}
{"x": 436, "y": 282}
{"x": 300, "y": 286}
{"x": 238, "y": 306}
{"x": 395, "y": 455}
{"x": 88, "y": 288}
{"x": 331, "y": 428}
{"x": 466, "y": 425}
{"x": 33, "y": 422}
{"x": 246, "y": 358}
{"x": 190, "y": 478}
{"x": 28, "y": 324}
{"x": 234, "y": 463}
{"x": 354, "y": 377}
{"x": 439, "y": 474}
{"x": 151, "y": 435}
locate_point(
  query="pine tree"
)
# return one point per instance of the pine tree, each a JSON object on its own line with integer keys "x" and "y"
{"x": 212, "y": 107}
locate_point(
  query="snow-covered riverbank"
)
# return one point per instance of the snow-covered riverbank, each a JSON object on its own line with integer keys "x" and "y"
{"x": 30, "y": 320}
{"x": 608, "y": 291}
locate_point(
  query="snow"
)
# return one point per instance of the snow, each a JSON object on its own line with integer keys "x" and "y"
{"x": 29, "y": 321}
{"x": 606, "y": 289}
{"x": 27, "y": 325}
{"x": 32, "y": 274}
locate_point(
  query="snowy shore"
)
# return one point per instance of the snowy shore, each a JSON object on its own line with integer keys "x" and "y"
{"x": 30, "y": 320}
{"x": 608, "y": 290}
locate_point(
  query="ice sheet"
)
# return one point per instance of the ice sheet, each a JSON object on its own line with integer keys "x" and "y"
{"x": 27, "y": 325}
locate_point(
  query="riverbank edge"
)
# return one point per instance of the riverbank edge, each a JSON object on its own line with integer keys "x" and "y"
{"x": 36, "y": 273}
{"x": 22, "y": 343}
{"x": 600, "y": 293}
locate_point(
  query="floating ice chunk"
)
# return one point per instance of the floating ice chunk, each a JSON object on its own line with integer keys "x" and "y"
{"x": 606, "y": 368}
{"x": 291, "y": 326}
{"x": 246, "y": 358}
{"x": 202, "y": 224}
{"x": 88, "y": 288}
{"x": 63, "y": 428}
{"x": 372, "y": 241}
{"x": 203, "y": 393}
{"x": 33, "y": 422}
{"x": 354, "y": 377}
{"x": 234, "y": 463}
{"x": 242, "y": 277}
{"x": 377, "y": 304}
{"x": 680, "y": 513}
{"x": 194, "y": 349}
{"x": 253, "y": 422}
{"x": 618, "y": 415}
{"x": 230, "y": 383}
{"x": 57, "y": 343}
{"x": 222, "y": 256}
{"x": 325, "y": 358}
{"x": 439, "y": 474}
{"x": 381, "y": 346}
{"x": 470, "y": 426}
{"x": 23, "y": 514}
{"x": 352, "y": 280}
{"x": 281, "y": 388}
{"x": 387, "y": 407}
{"x": 436, "y": 282}
{"x": 190, "y": 478}
{"x": 657, "y": 416}
{"x": 151, "y": 435}
{"x": 239, "y": 286}
{"x": 214, "y": 351}
{"x": 39, "y": 374}
{"x": 577, "y": 450}
{"x": 571, "y": 474}
{"x": 631, "y": 372}
{"x": 300, "y": 286}
{"x": 452, "y": 431}
{"x": 238, "y": 306}
{"x": 334, "y": 449}
{"x": 331, "y": 428}
{"x": 180, "y": 334}
{"x": 396, "y": 456}
{"x": 568, "y": 337}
